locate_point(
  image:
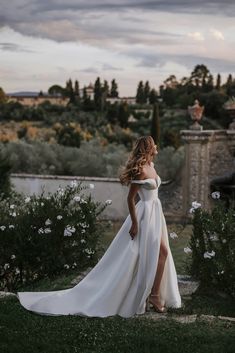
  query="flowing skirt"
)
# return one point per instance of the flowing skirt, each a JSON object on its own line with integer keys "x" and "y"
{"x": 121, "y": 281}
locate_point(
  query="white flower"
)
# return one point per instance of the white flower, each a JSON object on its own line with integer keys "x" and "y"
{"x": 215, "y": 195}
{"x": 209, "y": 255}
{"x": 196, "y": 204}
{"x": 214, "y": 237}
{"x": 40, "y": 231}
{"x": 47, "y": 230}
{"x": 73, "y": 184}
{"x": 48, "y": 222}
{"x": 75, "y": 264}
{"x": 3, "y": 228}
{"x": 27, "y": 199}
{"x": 12, "y": 206}
{"x": 60, "y": 191}
{"x": 89, "y": 251}
{"x": 83, "y": 240}
{"x": 17, "y": 271}
{"x": 83, "y": 201}
{"x": 77, "y": 198}
{"x": 59, "y": 217}
{"x": 42, "y": 203}
{"x": 66, "y": 266}
{"x": 173, "y": 235}
{"x": 11, "y": 226}
{"x": 68, "y": 231}
{"x": 187, "y": 250}
{"x": 13, "y": 257}
{"x": 13, "y": 214}
{"x": 83, "y": 231}
{"x": 108, "y": 202}
{"x": 6, "y": 266}
{"x": 91, "y": 186}
{"x": 224, "y": 241}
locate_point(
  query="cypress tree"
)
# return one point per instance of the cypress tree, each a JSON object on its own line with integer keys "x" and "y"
{"x": 146, "y": 92}
{"x": 140, "y": 93}
{"x": 114, "y": 89}
{"x": 218, "y": 82}
{"x": 98, "y": 94}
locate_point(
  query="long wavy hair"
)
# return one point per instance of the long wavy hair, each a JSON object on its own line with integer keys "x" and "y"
{"x": 142, "y": 153}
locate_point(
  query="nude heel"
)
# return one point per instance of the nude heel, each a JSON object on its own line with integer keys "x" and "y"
{"x": 158, "y": 309}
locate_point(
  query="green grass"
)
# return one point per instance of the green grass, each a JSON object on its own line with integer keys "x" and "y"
{"x": 25, "y": 332}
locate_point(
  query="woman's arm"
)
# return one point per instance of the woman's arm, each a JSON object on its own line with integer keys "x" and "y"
{"x": 131, "y": 205}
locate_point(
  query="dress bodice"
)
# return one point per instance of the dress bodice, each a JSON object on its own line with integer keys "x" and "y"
{"x": 149, "y": 188}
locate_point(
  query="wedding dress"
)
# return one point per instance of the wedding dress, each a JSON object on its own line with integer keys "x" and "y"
{"x": 121, "y": 281}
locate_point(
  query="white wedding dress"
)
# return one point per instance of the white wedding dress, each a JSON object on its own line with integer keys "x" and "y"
{"x": 121, "y": 281}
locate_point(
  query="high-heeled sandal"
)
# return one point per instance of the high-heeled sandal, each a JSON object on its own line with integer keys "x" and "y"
{"x": 158, "y": 309}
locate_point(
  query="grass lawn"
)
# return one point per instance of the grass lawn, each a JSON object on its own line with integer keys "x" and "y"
{"x": 25, "y": 332}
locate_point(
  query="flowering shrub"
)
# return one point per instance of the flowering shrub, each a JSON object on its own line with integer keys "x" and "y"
{"x": 212, "y": 246}
{"x": 46, "y": 235}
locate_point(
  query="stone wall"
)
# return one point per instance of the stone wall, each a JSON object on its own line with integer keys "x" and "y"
{"x": 209, "y": 154}
{"x": 104, "y": 189}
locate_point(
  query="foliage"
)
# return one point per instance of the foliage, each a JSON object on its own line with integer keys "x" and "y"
{"x": 155, "y": 125}
{"x": 94, "y": 158}
{"x": 47, "y": 235}
{"x": 213, "y": 244}
{"x": 169, "y": 161}
{"x": 3, "y": 97}
{"x": 5, "y": 169}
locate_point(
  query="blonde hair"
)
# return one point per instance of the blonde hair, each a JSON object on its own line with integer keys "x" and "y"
{"x": 143, "y": 150}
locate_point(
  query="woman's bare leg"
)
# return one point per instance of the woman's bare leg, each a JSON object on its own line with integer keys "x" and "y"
{"x": 160, "y": 268}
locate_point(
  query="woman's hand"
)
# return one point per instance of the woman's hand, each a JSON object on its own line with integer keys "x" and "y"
{"x": 133, "y": 230}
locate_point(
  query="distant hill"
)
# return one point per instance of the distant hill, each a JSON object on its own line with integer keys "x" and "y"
{"x": 25, "y": 94}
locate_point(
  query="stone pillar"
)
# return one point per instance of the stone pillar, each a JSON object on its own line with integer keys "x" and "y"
{"x": 209, "y": 153}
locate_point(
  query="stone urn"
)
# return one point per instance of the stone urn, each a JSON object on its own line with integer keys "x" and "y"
{"x": 196, "y": 112}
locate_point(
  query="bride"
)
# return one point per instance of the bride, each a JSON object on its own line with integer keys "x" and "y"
{"x": 137, "y": 268}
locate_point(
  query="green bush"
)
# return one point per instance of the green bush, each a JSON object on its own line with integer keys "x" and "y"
{"x": 5, "y": 169}
{"x": 212, "y": 244}
{"x": 46, "y": 235}
{"x": 91, "y": 159}
{"x": 169, "y": 161}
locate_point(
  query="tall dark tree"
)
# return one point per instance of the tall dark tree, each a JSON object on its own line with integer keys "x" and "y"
{"x": 114, "y": 89}
{"x": 98, "y": 94}
{"x": 70, "y": 91}
{"x": 105, "y": 94}
{"x": 218, "y": 82}
{"x": 153, "y": 96}
{"x": 146, "y": 92}
{"x": 229, "y": 85}
{"x": 76, "y": 89}
{"x": 155, "y": 124}
{"x": 140, "y": 98}
{"x": 123, "y": 114}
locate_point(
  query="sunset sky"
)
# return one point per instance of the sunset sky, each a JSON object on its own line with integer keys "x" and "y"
{"x": 44, "y": 42}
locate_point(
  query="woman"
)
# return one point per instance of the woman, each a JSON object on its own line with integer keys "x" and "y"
{"x": 137, "y": 267}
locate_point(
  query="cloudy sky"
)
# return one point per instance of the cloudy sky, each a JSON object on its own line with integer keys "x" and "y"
{"x": 44, "y": 42}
